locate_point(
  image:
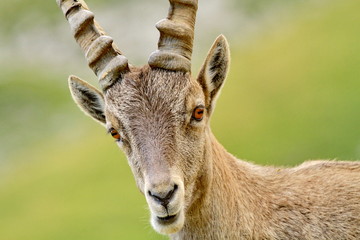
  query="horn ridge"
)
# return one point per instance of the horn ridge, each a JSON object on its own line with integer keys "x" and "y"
{"x": 176, "y": 37}
{"x": 102, "y": 55}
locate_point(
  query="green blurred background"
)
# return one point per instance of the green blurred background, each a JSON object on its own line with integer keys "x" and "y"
{"x": 292, "y": 95}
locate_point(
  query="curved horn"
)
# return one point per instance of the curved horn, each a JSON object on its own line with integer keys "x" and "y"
{"x": 103, "y": 56}
{"x": 176, "y": 37}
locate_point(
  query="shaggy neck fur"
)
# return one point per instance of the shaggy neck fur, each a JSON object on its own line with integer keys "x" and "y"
{"x": 232, "y": 199}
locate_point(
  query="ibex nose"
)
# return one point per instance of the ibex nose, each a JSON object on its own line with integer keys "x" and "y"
{"x": 163, "y": 197}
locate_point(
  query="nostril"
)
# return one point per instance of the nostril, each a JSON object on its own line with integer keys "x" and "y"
{"x": 164, "y": 197}
{"x": 171, "y": 193}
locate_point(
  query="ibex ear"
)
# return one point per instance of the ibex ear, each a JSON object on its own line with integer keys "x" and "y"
{"x": 88, "y": 98}
{"x": 214, "y": 70}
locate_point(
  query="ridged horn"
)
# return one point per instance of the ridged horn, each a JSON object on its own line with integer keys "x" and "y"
{"x": 103, "y": 56}
{"x": 176, "y": 37}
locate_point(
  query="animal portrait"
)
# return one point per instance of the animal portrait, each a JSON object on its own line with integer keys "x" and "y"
{"x": 159, "y": 116}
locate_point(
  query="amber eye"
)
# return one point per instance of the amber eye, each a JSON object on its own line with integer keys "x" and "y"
{"x": 198, "y": 113}
{"x": 115, "y": 134}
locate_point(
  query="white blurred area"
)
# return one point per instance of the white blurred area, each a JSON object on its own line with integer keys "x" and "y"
{"x": 132, "y": 25}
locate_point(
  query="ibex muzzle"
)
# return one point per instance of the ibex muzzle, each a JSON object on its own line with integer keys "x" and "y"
{"x": 163, "y": 181}
{"x": 159, "y": 116}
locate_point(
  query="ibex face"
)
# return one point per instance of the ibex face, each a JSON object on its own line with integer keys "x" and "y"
{"x": 158, "y": 114}
{"x": 163, "y": 142}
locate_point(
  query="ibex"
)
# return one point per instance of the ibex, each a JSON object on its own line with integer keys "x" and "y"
{"x": 159, "y": 116}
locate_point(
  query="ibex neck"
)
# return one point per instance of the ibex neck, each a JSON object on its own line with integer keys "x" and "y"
{"x": 226, "y": 196}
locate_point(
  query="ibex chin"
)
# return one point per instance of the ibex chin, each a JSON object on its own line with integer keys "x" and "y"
{"x": 159, "y": 116}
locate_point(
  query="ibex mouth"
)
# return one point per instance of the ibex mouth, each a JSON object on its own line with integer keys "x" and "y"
{"x": 168, "y": 219}
{"x": 169, "y": 224}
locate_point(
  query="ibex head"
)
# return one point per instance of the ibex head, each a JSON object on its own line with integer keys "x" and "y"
{"x": 158, "y": 114}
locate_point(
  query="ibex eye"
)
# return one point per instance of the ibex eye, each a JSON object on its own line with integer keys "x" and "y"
{"x": 198, "y": 113}
{"x": 115, "y": 134}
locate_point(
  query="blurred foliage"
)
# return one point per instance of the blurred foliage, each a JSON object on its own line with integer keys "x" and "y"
{"x": 292, "y": 95}
{"x": 32, "y": 101}
{"x": 18, "y": 14}
{"x": 254, "y": 7}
